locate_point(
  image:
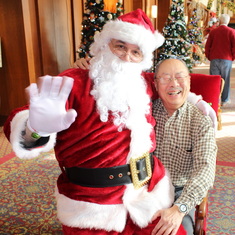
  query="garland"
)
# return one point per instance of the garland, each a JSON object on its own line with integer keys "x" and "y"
{"x": 218, "y": 6}
{"x": 209, "y": 4}
{"x": 230, "y": 5}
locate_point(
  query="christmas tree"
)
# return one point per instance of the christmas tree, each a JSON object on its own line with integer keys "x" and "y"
{"x": 97, "y": 13}
{"x": 177, "y": 44}
{"x": 196, "y": 38}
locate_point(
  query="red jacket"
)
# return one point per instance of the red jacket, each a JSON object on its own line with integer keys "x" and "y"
{"x": 221, "y": 44}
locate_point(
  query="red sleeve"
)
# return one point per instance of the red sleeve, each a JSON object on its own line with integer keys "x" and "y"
{"x": 207, "y": 46}
{"x": 149, "y": 78}
{"x": 7, "y": 124}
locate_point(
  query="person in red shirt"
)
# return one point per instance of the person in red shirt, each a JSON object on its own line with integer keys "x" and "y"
{"x": 220, "y": 51}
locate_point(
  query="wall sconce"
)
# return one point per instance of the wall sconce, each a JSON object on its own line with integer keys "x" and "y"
{"x": 154, "y": 11}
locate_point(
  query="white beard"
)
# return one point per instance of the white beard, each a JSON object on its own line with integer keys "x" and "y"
{"x": 119, "y": 88}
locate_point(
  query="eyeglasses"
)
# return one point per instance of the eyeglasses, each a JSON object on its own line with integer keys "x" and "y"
{"x": 120, "y": 50}
{"x": 165, "y": 79}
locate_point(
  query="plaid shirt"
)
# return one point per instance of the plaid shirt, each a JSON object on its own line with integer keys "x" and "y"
{"x": 186, "y": 146}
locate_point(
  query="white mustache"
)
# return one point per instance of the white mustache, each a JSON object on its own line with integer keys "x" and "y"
{"x": 177, "y": 89}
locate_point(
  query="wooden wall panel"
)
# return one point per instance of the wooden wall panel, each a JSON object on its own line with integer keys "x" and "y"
{"x": 55, "y": 21}
{"x": 163, "y": 10}
{"x": 32, "y": 38}
{"x": 137, "y": 4}
{"x": 128, "y": 5}
{"x": 37, "y": 38}
{"x": 78, "y": 9}
{"x": 14, "y": 72}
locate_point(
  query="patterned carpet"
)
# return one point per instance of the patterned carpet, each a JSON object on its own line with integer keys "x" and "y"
{"x": 221, "y": 217}
{"x": 27, "y": 205}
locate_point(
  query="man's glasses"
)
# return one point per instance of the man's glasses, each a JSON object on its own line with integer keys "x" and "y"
{"x": 165, "y": 79}
{"x": 121, "y": 50}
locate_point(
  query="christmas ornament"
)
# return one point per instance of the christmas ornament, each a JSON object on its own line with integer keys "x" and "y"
{"x": 92, "y": 16}
{"x": 109, "y": 16}
{"x": 176, "y": 34}
{"x": 101, "y": 18}
{"x": 94, "y": 19}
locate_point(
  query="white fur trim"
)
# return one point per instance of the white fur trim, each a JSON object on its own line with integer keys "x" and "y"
{"x": 141, "y": 142}
{"x": 17, "y": 126}
{"x": 193, "y": 98}
{"x": 142, "y": 205}
{"x": 90, "y": 215}
{"x": 131, "y": 33}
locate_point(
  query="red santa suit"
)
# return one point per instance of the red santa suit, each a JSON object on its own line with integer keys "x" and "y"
{"x": 91, "y": 143}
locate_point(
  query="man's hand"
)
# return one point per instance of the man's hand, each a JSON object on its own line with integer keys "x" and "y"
{"x": 82, "y": 63}
{"x": 169, "y": 222}
{"x": 47, "y": 112}
{"x": 208, "y": 111}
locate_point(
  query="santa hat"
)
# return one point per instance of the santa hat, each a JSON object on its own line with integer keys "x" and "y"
{"x": 134, "y": 28}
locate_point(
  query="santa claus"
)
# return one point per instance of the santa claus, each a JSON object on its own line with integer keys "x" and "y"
{"x": 100, "y": 125}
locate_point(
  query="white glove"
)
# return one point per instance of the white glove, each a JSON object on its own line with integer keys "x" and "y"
{"x": 193, "y": 98}
{"x": 47, "y": 112}
{"x": 208, "y": 111}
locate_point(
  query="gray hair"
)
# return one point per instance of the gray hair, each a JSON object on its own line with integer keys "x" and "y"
{"x": 160, "y": 62}
{"x": 224, "y": 19}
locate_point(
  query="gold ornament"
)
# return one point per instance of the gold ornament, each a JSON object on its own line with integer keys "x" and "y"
{"x": 190, "y": 26}
{"x": 109, "y": 16}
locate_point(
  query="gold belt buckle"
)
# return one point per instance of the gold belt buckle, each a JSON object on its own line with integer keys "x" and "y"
{"x": 134, "y": 171}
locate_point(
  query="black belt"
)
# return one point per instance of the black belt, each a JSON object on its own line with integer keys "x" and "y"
{"x": 138, "y": 172}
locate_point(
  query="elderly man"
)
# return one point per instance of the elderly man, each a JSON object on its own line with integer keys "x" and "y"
{"x": 220, "y": 50}
{"x": 185, "y": 145}
{"x": 100, "y": 125}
